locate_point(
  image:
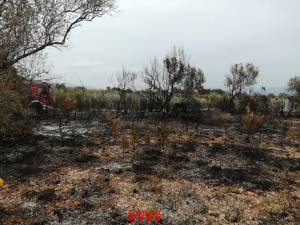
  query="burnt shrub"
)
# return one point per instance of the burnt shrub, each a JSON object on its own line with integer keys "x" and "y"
{"x": 187, "y": 110}
{"x": 14, "y": 112}
{"x": 258, "y": 103}
{"x": 252, "y": 122}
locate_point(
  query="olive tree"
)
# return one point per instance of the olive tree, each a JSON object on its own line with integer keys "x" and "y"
{"x": 241, "y": 77}
{"x": 29, "y": 26}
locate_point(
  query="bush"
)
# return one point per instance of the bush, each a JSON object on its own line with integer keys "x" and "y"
{"x": 14, "y": 112}
{"x": 189, "y": 110}
{"x": 215, "y": 100}
{"x": 259, "y": 104}
{"x": 252, "y": 122}
{"x": 64, "y": 102}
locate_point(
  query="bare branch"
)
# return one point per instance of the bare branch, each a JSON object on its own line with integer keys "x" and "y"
{"x": 48, "y": 23}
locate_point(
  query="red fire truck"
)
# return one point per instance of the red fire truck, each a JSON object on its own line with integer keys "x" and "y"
{"x": 40, "y": 98}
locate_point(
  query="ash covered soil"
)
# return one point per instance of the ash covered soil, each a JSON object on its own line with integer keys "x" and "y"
{"x": 204, "y": 175}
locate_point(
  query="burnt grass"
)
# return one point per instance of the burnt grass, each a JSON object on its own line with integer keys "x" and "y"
{"x": 196, "y": 176}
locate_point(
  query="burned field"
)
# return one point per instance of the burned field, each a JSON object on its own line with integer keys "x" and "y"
{"x": 193, "y": 175}
{"x": 182, "y": 139}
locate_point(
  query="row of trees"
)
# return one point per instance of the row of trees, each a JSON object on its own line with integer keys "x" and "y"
{"x": 49, "y": 23}
{"x": 164, "y": 80}
{"x": 175, "y": 76}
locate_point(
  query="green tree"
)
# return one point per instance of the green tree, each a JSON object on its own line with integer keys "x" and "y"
{"x": 241, "y": 77}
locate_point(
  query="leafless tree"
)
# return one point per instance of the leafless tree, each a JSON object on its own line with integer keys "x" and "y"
{"x": 152, "y": 76}
{"x": 172, "y": 77}
{"x": 162, "y": 81}
{"x": 125, "y": 82}
{"x": 29, "y": 26}
{"x": 241, "y": 77}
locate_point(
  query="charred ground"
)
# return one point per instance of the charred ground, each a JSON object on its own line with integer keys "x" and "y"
{"x": 204, "y": 175}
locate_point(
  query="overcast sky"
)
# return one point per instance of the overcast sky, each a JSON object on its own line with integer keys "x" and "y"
{"x": 214, "y": 33}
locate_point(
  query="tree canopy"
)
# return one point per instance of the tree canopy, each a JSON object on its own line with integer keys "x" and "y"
{"x": 294, "y": 85}
{"x": 30, "y": 26}
{"x": 241, "y": 77}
